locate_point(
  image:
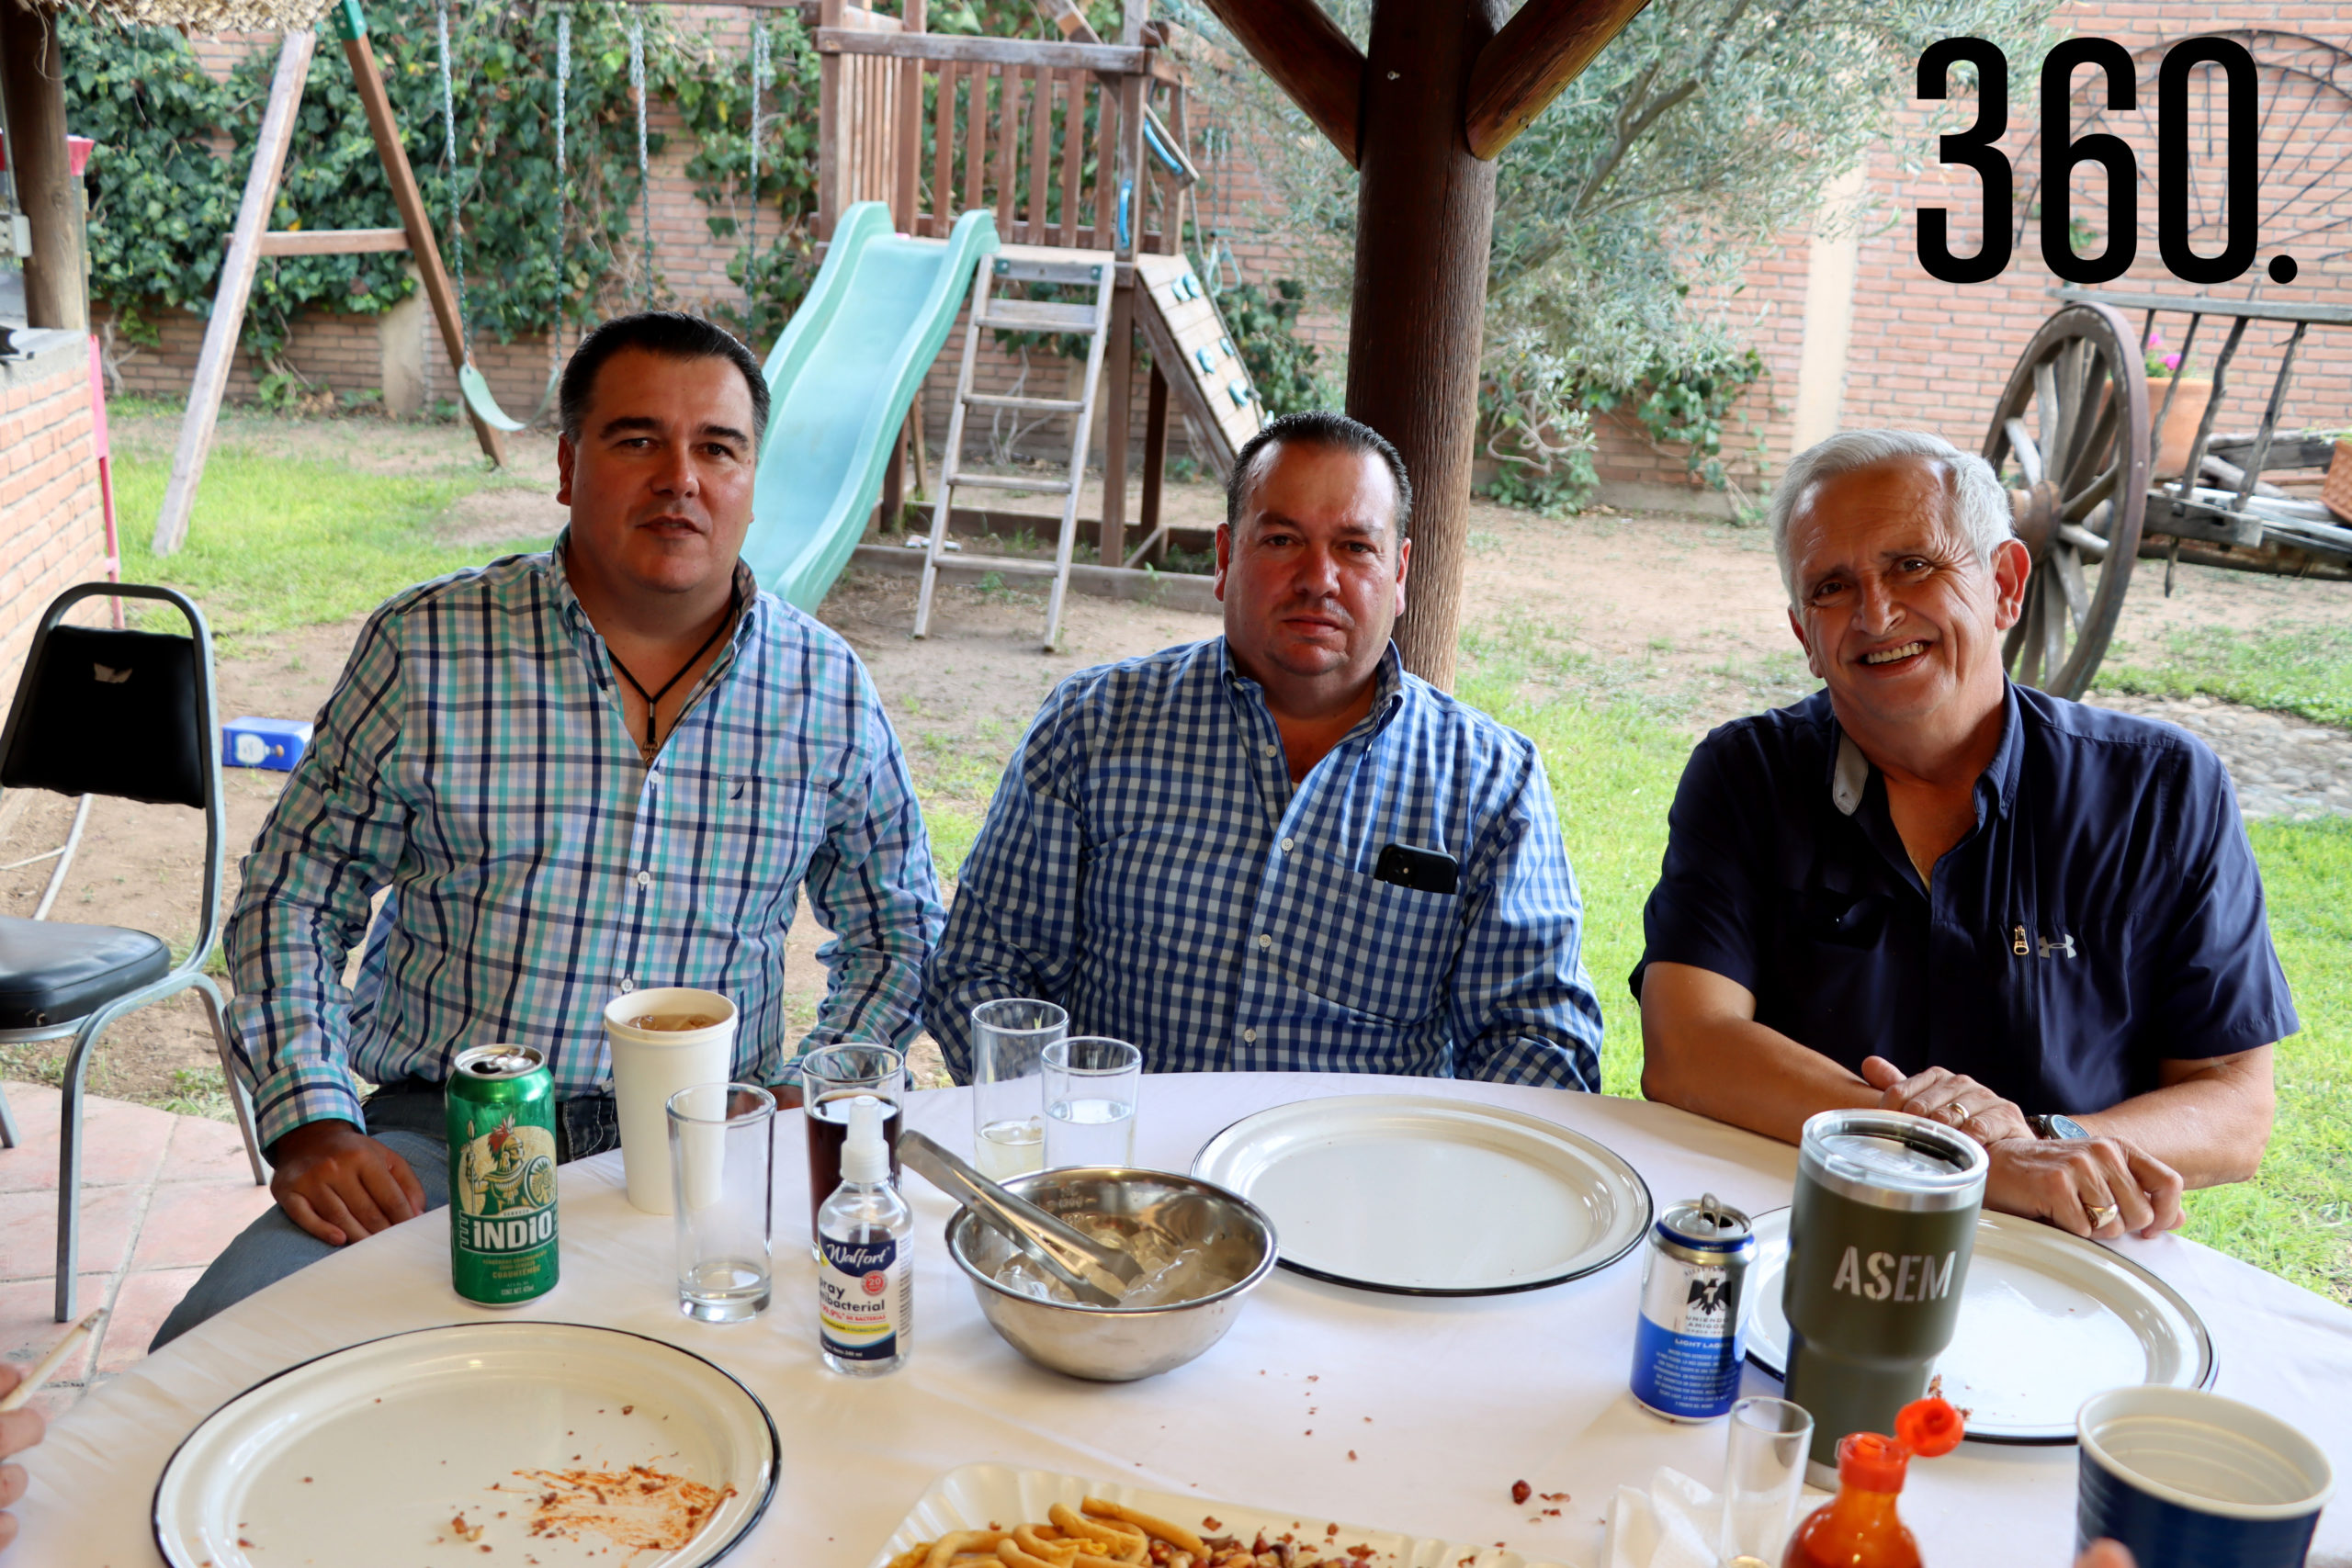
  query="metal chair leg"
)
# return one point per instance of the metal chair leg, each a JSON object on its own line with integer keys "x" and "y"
{"x": 69, "y": 1163}
{"x": 216, "y": 1011}
{"x": 7, "y": 1122}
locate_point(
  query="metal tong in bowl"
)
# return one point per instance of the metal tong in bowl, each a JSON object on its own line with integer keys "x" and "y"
{"x": 1097, "y": 1274}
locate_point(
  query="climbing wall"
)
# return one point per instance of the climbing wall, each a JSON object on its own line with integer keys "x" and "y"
{"x": 1207, "y": 378}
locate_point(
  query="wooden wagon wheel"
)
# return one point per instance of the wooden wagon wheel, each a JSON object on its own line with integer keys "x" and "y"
{"x": 2070, "y": 440}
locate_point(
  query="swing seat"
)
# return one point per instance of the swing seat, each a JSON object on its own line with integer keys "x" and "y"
{"x": 485, "y": 407}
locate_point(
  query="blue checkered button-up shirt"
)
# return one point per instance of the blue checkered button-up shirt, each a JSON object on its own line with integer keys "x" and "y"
{"x": 473, "y": 758}
{"x": 1148, "y": 864}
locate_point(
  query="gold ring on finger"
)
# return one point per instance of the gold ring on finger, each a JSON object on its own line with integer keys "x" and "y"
{"x": 2102, "y": 1216}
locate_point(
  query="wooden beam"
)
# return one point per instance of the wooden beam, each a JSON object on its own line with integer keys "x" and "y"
{"x": 228, "y": 318}
{"x": 330, "y": 242}
{"x": 1110, "y": 58}
{"x": 1539, "y": 53}
{"x": 1309, "y": 58}
{"x": 1425, "y": 219}
{"x": 33, "y": 80}
{"x": 416, "y": 223}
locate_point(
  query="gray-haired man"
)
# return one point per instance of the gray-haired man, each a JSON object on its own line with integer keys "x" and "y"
{"x": 1927, "y": 888}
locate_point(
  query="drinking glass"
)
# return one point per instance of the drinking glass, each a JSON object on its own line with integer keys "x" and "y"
{"x": 831, "y": 1077}
{"x": 1008, "y": 1102}
{"x": 1763, "y": 1477}
{"x": 1090, "y": 1086}
{"x": 722, "y": 1165}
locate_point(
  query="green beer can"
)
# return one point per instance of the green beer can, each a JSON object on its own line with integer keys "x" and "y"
{"x": 1880, "y": 1234}
{"x": 501, "y": 1175}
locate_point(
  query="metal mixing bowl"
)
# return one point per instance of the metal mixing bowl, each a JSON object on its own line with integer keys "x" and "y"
{"x": 1119, "y": 1344}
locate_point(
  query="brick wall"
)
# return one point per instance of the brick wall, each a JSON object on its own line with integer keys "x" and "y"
{"x": 1935, "y": 356}
{"x": 52, "y": 526}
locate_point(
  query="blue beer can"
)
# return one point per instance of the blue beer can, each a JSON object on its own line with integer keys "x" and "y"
{"x": 1692, "y": 1331}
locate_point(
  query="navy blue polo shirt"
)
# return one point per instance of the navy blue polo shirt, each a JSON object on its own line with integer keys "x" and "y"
{"x": 2104, "y": 915}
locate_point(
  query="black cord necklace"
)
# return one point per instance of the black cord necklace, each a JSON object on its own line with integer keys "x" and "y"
{"x": 653, "y": 699}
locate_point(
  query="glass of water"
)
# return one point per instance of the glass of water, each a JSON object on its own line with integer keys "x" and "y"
{"x": 1763, "y": 1477}
{"x": 722, "y": 1163}
{"x": 1009, "y": 1039}
{"x": 1090, "y": 1086}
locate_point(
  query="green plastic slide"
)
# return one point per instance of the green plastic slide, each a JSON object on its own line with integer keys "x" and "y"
{"x": 841, "y": 377}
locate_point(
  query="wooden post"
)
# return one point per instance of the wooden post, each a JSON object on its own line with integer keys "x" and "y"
{"x": 894, "y": 492}
{"x": 221, "y": 333}
{"x": 1118, "y": 370}
{"x": 915, "y": 444}
{"x": 907, "y": 145}
{"x": 1155, "y": 456}
{"x": 423, "y": 249}
{"x": 1126, "y": 181}
{"x": 1425, "y": 216}
{"x": 830, "y": 151}
{"x": 57, "y": 273}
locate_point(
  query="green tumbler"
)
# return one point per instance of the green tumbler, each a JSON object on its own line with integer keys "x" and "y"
{"x": 1879, "y": 1236}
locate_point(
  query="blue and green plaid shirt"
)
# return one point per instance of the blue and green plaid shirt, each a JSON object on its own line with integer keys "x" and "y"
{"x": 1148, "y": 864}
{"x": 474, "y": 759}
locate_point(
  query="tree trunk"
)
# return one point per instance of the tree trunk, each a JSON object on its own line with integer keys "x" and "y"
{"x": 1425, "y": 212}
{"x": 56, "y": 281}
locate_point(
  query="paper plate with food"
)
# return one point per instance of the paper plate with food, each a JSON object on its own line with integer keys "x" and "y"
{"x": 552, "y": 1443}
{"x": 994, "y": 1516}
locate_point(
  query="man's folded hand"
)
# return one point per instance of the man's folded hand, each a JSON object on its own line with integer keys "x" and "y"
{"x": 340, "y": 1184}
{"x": 2095, "y": 1186}
{"x": 1953, "y": 1099}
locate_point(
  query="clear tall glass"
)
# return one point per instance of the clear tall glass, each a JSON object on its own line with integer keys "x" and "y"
{"x": 1009, "y": 1036}
{"x": 830, "y": 1076}
{"x": 722, "y": 1168}
{"x": 1763, "y": 1477}
{"x": 1091, "y": 1085}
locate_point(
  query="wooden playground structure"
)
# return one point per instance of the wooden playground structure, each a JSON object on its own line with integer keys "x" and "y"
{"x": 1421, "y": 111}
{"x": 1077, "y": 147}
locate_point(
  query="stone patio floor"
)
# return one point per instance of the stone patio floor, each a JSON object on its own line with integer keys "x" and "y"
{"x": 161, "y": 1195}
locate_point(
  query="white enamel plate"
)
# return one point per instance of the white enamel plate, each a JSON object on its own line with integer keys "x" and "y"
{"x": 2046, "y": 1321}
{"x": 975, "y": 1496}
{"x": 498, "y": 1442}
{"x": 1422, "y": 1195}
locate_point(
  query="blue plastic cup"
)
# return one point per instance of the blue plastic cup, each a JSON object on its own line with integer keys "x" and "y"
{"x": 2191, "y": 1480}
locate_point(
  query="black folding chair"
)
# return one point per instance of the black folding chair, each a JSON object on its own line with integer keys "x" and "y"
{"x": 130, "y": 714}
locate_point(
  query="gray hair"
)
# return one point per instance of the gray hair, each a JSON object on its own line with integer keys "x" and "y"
{"x": 1976, "y": 502}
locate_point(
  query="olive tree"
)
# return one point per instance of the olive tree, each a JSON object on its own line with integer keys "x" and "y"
{"x": 1704, "y": 135}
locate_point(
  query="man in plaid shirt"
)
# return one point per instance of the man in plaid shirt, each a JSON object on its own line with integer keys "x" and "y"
{"x": 1275, "y": 850}
{"x": 611, "y": 767}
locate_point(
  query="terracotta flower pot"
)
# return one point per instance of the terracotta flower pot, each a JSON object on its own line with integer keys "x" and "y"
{"x": 2178, "y": 432}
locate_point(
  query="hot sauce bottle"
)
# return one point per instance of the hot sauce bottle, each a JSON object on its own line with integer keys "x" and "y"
{"x": 1859, "y": 1528}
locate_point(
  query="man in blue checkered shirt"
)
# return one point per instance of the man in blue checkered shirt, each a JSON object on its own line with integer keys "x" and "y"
{"x": 610, "y": 767}
{"x": 1275, "y": 850}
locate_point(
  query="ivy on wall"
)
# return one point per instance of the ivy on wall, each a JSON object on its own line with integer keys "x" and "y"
{"x": 175, "y": 144}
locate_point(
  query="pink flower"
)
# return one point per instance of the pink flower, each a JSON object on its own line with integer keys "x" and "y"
{"x": 2172, "y": 362}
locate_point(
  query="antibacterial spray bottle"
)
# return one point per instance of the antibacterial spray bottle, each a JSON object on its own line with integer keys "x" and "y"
{"x": 865, "y": 1285}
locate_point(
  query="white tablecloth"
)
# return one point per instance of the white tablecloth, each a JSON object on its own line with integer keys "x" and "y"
{"x": 1464, "y": 1396}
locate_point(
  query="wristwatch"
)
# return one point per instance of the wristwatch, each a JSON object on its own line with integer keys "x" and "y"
{"x": 2062, "y": 1127}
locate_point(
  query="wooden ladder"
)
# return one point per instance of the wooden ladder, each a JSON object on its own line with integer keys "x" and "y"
{"x": 1024, "y": 264}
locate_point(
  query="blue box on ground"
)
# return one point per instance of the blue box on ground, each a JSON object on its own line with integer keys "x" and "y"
{"x": 275, "y": 743}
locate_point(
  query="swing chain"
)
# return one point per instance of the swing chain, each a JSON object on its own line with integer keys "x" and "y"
{"x": 449, "y": 166}
{"x": 761, "y": 73}
{"x": 562, "y": 181}
{"x": 644, "y": 164}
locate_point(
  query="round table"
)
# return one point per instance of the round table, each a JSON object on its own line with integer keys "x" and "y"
{"x": 1421, "y": 1414}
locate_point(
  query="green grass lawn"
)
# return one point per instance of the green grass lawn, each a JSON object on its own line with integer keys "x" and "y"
{"x": 2304, "y": 670}
{"x": 280, "y": 542}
